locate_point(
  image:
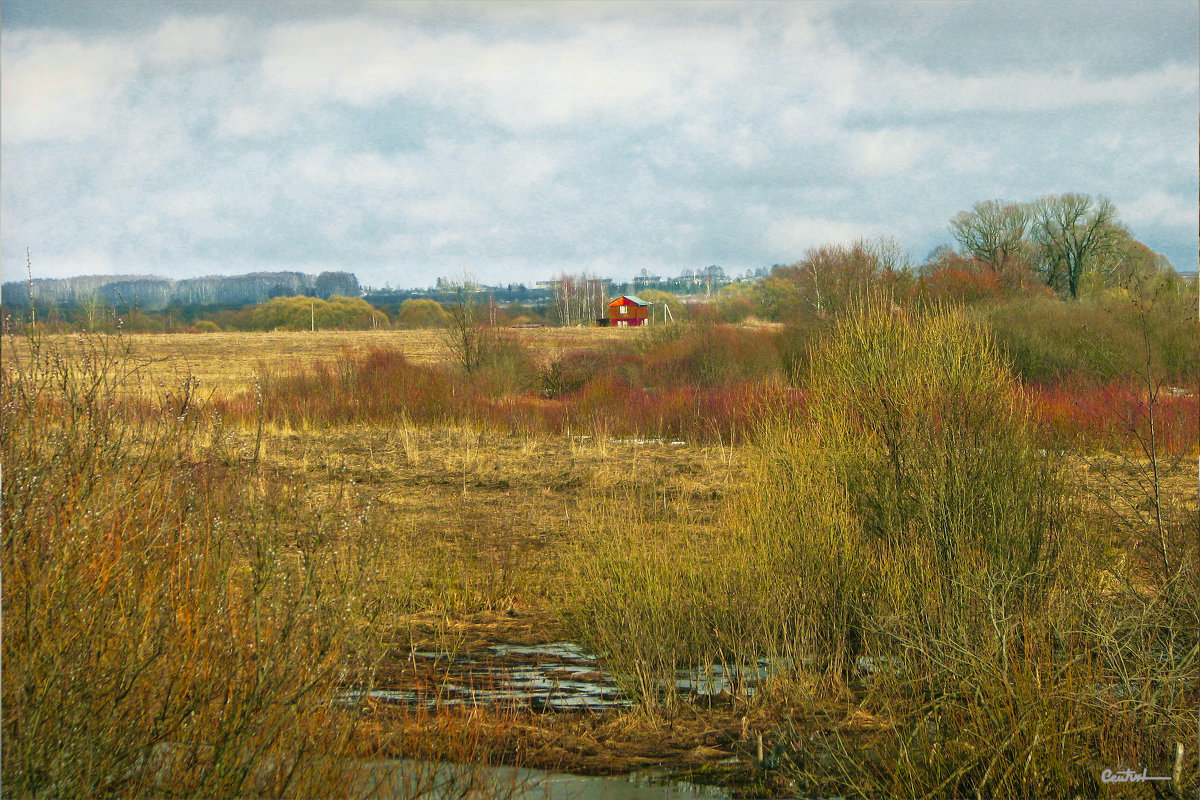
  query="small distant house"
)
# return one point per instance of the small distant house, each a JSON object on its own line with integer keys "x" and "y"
{"x": 628, "y": 310}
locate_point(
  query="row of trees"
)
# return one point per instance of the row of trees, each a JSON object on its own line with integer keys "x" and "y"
{"x": 1067, "y": 246}
{"x": 1061, "y": 239}
{"x": 148, "y": 293}
{"x": 580, "y": 299}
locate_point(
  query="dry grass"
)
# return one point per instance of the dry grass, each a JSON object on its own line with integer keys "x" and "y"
{"x": 480, "y": 537}
{"x": 491, "y": 513}
{"x": 227, "y": 362}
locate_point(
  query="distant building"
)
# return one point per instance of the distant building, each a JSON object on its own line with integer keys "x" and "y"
{"x": 628, "y": 310}
{"x": 644, "y": 278}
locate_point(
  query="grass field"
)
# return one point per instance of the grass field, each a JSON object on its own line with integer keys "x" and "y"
{"x": 349, "y": 551}
{"x": 227, "y": 362}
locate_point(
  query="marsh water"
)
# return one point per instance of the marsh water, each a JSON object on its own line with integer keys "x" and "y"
{"x": 403, "y": 780}
{"x": 556, "y": 677}
{"x": 551, "y": 677}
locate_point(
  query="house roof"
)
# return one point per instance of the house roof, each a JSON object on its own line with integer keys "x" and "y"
{"x": 637, "y": 301}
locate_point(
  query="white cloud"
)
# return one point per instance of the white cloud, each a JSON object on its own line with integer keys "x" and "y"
{"x": 1156, "y": 207}
{"x": 793, "y": 235}
{"x": 559, "y": 136}
{"x": 969, "y": 159}
{"x": 253, "y": 120}
{"x": 890, "y": 151}
{"x": 477, "y": 173}
{"x": 58, "y": 87}
{"x": 181, "y": 42}
{"x": 608, "y": 72}
{"x": 68, "y": 264}
{"x": 900, "y": 86}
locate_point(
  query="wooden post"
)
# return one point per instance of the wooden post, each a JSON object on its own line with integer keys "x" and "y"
{"x": 29, "y": 271}
{"x": 760, "y": 750}
{"x": 1177, "y": 773}
{"x": 312, "y": 309}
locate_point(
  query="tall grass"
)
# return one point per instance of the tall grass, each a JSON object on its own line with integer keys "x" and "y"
{"x": 175, "y": 623}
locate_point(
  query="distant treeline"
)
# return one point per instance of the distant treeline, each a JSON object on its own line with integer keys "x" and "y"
{"x": 146, "y": 293}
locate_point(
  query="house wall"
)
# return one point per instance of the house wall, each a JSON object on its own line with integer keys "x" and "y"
{"x": 634, "y": 314}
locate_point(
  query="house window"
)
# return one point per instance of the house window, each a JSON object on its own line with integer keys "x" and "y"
{"x": 624, "y": 309}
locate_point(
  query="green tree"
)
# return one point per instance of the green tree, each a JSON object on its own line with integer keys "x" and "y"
{"x": 421, "y": 313}
{"x": 660, "y": 300}
{"x": 735, "y": 301}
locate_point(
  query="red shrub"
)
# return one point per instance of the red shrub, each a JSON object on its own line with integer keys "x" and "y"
{"x": 1117, "y": 415}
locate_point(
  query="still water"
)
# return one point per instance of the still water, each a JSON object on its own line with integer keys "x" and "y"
{"x": 409, "y": 780}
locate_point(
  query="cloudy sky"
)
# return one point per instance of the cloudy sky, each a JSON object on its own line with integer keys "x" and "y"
{"x": 403, "y": 141}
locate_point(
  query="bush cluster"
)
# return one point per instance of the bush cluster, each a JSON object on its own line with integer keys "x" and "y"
{"x": 176, "y": 623}
{"x": 911, "y": 549}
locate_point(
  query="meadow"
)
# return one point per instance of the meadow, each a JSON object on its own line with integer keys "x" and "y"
{"x": 905, "y": 553}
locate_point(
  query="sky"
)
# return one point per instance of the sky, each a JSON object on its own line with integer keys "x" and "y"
{"x": 511, "y": 142}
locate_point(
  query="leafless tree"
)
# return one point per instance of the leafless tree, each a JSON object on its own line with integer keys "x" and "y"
{"x": 1072, "y": 233}
{"x": 466, "y": 334}
{"x": 579, "y": 299}
{"x": 994, "y": 232}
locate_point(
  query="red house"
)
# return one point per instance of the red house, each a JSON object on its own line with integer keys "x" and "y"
{"x": 628, "y": 310}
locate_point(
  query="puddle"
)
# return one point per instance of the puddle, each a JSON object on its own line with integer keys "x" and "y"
{"x": 553, "y": 677}
{"x": 641, "y": 442}
{"x": 717, "y": 679}
{"x": 402, "y": 780}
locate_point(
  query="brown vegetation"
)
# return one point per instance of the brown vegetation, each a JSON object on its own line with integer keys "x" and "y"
{"x": 908, "y": 582}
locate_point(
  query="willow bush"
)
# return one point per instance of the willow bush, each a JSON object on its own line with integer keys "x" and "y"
{"x": 909, "y": 549}
{"x": 175, "y": 623}
{"x": 998, "y": 644}
{"x": 924, "y": 427}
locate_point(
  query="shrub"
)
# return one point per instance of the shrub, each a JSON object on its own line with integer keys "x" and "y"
{"x": 302, "y": 313}
{"x": 987, "y": 624}
{"x": 421, "y": 313}
{"x": 569, "y": 372}
{"x": 711, "y": 355}
{"x": 506, "y": 366}
{"x": 175, "y": 624}
{"x": 911, "y": 543}
{"x": 927, "y": 431}
{"x": 1099, "y": 340}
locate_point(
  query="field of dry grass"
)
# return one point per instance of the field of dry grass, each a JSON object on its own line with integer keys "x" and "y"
{"x": 476, "y": 537}
{"x": 227, "y": 361}
{"x": 502, "y": 503}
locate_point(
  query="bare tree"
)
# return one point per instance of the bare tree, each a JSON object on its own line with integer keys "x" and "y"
{"x": 993, "y": 232}
{"x": 1072, "y": 233}
{"x": 579, "y": 299}
{"x": 466, "y": 334}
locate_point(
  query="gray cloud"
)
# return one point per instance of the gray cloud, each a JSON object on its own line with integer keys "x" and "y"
{"x": 407, "y": 141}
